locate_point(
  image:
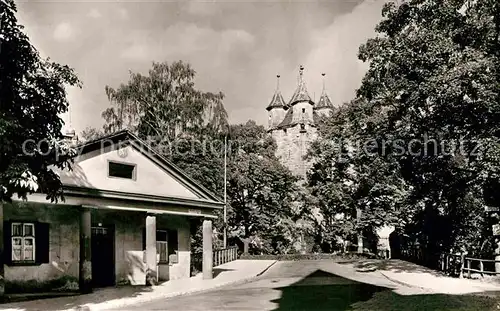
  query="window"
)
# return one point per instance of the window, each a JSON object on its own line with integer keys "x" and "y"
{"x": 303, "y": 110}
{"x": 121, "y": 170}
{"x": 23, "y": 242}
{"x": 162, "y": 245}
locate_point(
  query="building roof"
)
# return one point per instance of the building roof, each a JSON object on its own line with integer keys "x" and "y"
{"x": 125, "y": 137}
{"x": 300, "y": 93}
{"x": 289, "y": 122}
{"x": 324, "y": 100}
{"x": 277, "y": 101}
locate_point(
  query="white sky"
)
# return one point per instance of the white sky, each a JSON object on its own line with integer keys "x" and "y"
{"x": 236, "y": 47}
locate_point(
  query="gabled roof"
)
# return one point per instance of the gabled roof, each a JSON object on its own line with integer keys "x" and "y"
{"x": 277, "y": 101}
{"x": 300, "y": 93}
{"x": 125, "y": 137}
{"x": 324, "y": 102}
{"x": 289, "y": 122}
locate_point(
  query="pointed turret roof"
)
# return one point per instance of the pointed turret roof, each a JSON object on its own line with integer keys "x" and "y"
{"x": 277, "y": 101}
{"x": 324, "y": 100}
{"x": 301, "y": 91}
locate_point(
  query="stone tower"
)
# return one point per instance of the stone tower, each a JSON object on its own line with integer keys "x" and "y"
{"x": 293, "y": 125}
{"x": 276, "y": 109}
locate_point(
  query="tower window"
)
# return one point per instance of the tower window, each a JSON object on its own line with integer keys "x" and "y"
{"x": 302, "y": 126}
{"x": 121, "y": 170}
{"x": 303, "y": 110}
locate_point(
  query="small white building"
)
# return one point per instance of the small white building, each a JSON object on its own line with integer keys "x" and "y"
{"x": 127, "y": 213}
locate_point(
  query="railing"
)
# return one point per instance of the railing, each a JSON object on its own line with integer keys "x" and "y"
{"x": 221, "y": 256}
{"x": 456, "y": 265}
{"x": 467, "y": 266}
{"x": 451, "y": 264}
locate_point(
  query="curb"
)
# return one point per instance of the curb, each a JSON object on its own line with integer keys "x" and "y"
{"x": 265, "y": 270}
{"x": 402, "y": 283}
{"x": 172, "y": 295}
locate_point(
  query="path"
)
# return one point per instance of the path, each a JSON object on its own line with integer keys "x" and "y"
{"x": 319, "y": 285}
{"x": 102, "y": 299}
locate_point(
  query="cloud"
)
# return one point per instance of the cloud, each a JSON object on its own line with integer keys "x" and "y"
{"x": 185, "y": 40}
{"x": 201, "y": 8}
{"x": 123, "y": 13}
{"x": 63, "y": 32}
{"x": 335, "y": 50}
{"x": 94, "y": 13}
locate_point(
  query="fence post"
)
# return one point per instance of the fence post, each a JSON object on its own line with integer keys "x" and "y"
{"x": 481, "y": 267}
{"x": 468, "y": 268}
{"x": 462, "y": 264}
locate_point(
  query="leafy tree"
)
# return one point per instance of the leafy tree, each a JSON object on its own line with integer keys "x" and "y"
{"x": 430, "y": 101}
{"x": 261, "y": 191}
{"x": 182, "y": 123}
{"x": 90, "y": 133}
{"x": 32, "y": 95}
{"x": 165, "y": 102}
{"x": 355, "y": 190}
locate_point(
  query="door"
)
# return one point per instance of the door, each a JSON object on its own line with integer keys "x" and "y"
{"x": 103, "y": 256}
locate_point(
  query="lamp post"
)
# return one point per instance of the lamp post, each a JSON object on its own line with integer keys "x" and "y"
{"x": 225, "y": 191}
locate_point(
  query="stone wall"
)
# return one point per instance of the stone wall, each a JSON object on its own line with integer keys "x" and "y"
{"x": 64, "y": 231}
{"x": 63, "y": 238}
{"x": 292, "y": 147}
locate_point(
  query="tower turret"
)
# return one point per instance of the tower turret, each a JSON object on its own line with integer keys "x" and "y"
{"x": 276, "y": 108}
{"x": 69, "y": 134}
{"x": 324, "y": 106}
{"x": 301, "y": 104}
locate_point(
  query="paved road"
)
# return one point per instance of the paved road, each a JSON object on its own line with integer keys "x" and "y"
{"x": 302, "y": 285}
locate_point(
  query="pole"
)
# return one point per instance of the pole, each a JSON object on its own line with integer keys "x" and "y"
{"x": 225, "y": 191}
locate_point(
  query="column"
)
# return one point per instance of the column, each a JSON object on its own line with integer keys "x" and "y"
{"x": 151, "y": 264}
{"x": 207, "y": 250}
{"x": 85, "y": 264}
{"x": 246, "y": 246}
{"x": 2, "y": 274}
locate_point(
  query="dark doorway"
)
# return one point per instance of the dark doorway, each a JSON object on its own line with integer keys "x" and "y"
{"x": 395, "y": 245}
{"x": 103, "y": 256}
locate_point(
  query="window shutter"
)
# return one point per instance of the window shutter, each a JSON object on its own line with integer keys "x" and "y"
{"x": 42, "y": 243}
{"x": 7, "y": 242}
{"x": 143, "y": 239}
{"x": 173, "y": 242}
